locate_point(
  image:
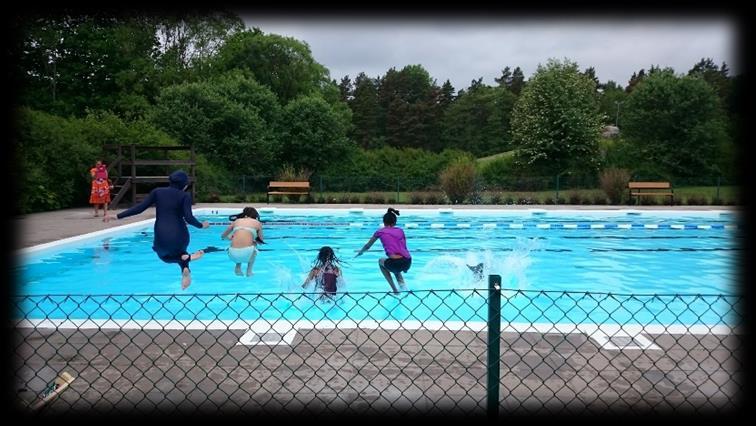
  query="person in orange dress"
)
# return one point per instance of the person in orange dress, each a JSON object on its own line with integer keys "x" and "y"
{"x": 100, "y": 192}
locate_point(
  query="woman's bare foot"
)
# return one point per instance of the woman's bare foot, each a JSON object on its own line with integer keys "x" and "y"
{"x": 186, "y": 278}
{"x": 237, "y": 270}
{"x": 250, "y": 273}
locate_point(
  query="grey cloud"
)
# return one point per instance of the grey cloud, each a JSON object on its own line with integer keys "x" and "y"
{"x": 465, "y": 50}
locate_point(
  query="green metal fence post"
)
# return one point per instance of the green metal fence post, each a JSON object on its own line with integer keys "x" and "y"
{"x": 494, "y": 331}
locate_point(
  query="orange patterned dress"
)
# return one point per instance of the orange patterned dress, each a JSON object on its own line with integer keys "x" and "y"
{"x": 100, "y": 193}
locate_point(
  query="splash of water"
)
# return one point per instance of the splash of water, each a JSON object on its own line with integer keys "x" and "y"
{"x": 472, "y": 269}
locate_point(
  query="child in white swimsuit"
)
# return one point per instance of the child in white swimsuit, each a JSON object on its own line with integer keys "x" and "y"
{"x": 245, "y": 231}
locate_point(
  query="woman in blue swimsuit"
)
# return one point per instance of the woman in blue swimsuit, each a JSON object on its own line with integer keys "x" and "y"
{"x": 245, "y": 231}
{"x": 173, "y": 210}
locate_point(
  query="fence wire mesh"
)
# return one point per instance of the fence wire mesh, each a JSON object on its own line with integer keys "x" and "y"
{"x": 415, "y": 352}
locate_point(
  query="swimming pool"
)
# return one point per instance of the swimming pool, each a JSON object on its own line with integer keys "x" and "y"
{"x": 544, "y": 257}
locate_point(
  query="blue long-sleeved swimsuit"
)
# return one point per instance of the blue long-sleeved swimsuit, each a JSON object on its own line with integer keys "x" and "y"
{"x": 173, "y": 210}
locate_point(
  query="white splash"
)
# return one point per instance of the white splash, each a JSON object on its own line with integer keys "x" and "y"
{"x": 471, "y": 269}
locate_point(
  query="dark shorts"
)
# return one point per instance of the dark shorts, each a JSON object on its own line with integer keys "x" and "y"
{"x": 398, "y": 265}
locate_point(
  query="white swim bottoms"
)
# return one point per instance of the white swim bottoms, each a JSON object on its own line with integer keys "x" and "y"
{"x": 241, "y": 254}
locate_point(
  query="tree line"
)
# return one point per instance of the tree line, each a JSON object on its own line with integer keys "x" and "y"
{"x": 254, "y": 103}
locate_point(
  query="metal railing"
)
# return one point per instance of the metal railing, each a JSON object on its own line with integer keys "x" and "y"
{"x": 480, "y": 351}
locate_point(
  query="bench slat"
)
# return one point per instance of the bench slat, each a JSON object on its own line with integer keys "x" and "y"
{"x": 648, "y": 185}
{"x": 285, "y": 192}
{"x": 652, "y": 193}
{"x": 289, "y": 185}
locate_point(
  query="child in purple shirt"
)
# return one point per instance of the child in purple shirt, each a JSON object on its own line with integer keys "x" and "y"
{"x": 395, "y": 245}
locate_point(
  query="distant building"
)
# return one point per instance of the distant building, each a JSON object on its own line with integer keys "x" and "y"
{"x": 610, "y": 131}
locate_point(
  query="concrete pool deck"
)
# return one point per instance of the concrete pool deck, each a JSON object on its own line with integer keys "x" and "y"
{"x": 357, "y": 370}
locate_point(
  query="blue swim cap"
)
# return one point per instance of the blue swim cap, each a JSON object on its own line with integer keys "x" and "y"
{"x": 178, "y": 179}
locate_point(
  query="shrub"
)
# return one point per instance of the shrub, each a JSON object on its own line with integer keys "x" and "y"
{"x": 240, "y": 198}
{"x": 585, "y": 200}
{"x": 321, "y": 200}
{"x": 509, "y": 200}
{"x": 614, "y": 183}
{"x": 561, "y": 200}
{"x": 343, "y": 199}
{"x": 599, "y": 199}
{"x": 416, "y": 198}
{"x": 697, "y": 200}
{"x": 458, "y": 179}
{"x": 495, "y": 198}
{"x": 290, "y": 173}
{"x": 649, "y": 201}
{"x": 354, "y": 199}
{"x": 548, "y": 200}
{"x": 574, "y": 197}
{"x": 524, "y": 200}
{"x": 433, "y": 198}
{"x": 212, "y": 197}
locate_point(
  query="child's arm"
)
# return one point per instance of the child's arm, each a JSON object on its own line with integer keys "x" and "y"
{"x": 260, "y": 236}
{"x": 309, "y": 277}
{"x": 227, "y": 231}
{"x": 367, "y": 246}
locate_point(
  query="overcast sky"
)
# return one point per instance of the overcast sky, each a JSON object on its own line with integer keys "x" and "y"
{"x": 465, "y": 49}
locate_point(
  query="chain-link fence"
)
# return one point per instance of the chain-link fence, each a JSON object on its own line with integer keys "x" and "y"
{"x": 501, "y": 189}
{"x": 472, "y": 351}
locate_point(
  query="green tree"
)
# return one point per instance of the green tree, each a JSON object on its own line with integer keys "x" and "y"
{"x": 314, "y": 135}
{"x": 675, "y": 125}
{"x": 446, "y": 97}
{"x": 512, "y": 80}
{"x": 283, "y": 64}
{"x": 556, "y": 121}
{"x": 611, "y": 102}
{"x": 232, "y": 119}
{"x": 345, "y": 89}
{"x": 409, "y": 108}
{"x": 518, "y": 81}
{"x": 366, "y": 112}
{"x": 635, "y": 79}
{"x": 479, "y": 120}
{"x": 188, "y": 41}
{"x": 69, "y": 63}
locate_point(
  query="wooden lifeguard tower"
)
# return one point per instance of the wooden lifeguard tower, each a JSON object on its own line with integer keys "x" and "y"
{"x": 128, "y": 162}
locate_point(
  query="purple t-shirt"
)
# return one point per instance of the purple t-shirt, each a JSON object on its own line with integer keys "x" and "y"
{"x": 393, "y": 241}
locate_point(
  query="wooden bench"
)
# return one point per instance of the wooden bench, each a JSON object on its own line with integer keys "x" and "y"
{"x": 640, "y": 189}
{"x": 288, "y": 188}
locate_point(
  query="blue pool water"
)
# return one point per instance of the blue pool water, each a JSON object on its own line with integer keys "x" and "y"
{"x": 556, "y": 266}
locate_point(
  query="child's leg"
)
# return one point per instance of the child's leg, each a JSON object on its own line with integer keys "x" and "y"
{"x": 399, "y": 278}
{"x": 237, "y": 270}
{"x": 251, "y": 262}
{"x": 387, "y": 274}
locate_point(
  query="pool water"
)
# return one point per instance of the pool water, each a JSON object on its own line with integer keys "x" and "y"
{"x": 617, "y": 252}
